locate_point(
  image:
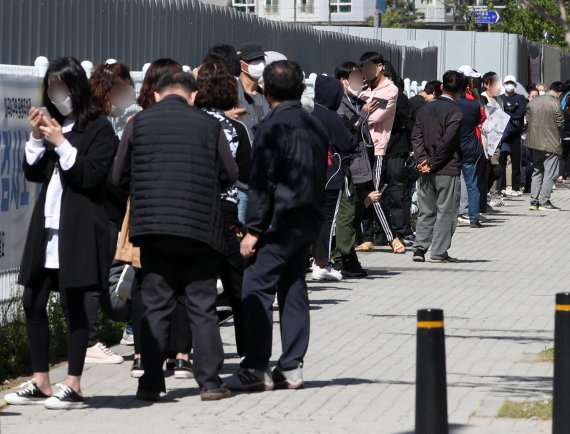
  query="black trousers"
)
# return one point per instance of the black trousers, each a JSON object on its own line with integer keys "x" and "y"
{"x": 96, "y": 299}
{"x": 398, "y": 194}
{"x": 174, "y": 267}
{"x": 231, "y": 275}
{"x": 565, "y": 159}
{"x": 515, "y": 153}
{"x": 35, "y": 300}
{"x": 322, "y": 248}
{"x": 278, "y": 267}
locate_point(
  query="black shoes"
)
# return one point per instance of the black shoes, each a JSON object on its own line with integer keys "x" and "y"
{"x": 137, "y": 369}
{"x": 215, "y": 394}
{"x": 183, "y": 369}
{"x": 548, "y": 207}
{"x": 419, "y": 256}
{"x": 475, "y": 225}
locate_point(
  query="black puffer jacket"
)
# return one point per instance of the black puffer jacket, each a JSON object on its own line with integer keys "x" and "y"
{"x": 181, "y": 161}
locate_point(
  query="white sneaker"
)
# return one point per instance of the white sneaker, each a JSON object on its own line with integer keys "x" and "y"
{"x": 29, "y": 394}
{"x": 99, "y": 353}
{"x": 496, "y": 203}
{"x": 327, "y": 273}
{"x": 64, "y": 399}
{"x": 516, "y": 193}
{"x": 128, "y": 338}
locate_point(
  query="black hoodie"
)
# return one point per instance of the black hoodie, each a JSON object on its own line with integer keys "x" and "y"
{"x": 329, "y": 93}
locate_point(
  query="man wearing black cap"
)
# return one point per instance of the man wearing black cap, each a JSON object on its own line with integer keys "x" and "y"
{"x": 253, "y": 105}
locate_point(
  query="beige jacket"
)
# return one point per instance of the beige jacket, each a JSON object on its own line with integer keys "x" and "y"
{"x": 545, "y": 121}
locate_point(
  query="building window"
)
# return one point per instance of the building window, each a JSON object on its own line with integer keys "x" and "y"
{"x": 271, "y": 6}
{"x": 340, "y": 6}
{"x": 247, "y": 6}
{"x": 307, "y": 6}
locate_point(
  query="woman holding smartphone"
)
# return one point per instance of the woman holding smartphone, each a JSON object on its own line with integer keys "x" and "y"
{"x": 70, "y": 153}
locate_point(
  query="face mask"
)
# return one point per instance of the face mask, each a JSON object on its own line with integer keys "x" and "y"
{"x": 255, "y": 69}
{"x": 541, "y": 92}
{"x": 510, "y": 88}
{"x": 354, "y": 92}
{"x": 65, "y": 107}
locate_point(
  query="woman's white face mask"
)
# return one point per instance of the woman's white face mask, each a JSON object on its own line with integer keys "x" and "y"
{"x": 60, "y": 97}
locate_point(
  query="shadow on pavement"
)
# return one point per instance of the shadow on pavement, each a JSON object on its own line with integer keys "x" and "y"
{"x": 130, "y": 402}
{"x": 454, "y": 428}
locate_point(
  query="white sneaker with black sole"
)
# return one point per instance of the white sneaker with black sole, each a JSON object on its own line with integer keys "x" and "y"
{"x": 65, "y": 399}
{"x": 29, "y": 394}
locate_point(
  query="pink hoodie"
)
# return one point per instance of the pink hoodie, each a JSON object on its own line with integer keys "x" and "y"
{"x": 381, "y": 121}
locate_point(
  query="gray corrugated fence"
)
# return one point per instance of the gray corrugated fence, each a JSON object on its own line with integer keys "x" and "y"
{"x": 137, "y": 31}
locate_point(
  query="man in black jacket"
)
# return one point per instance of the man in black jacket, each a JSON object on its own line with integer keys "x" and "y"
{"x": 436, "y": 144}
{"x": 181, "y": 161}
{"x": 286, "y": 186}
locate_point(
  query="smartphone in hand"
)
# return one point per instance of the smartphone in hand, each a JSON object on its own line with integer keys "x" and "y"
{"x": 381, "y": 189}
{"x": 44, "y": 111}
{"x": 382, "y": 103}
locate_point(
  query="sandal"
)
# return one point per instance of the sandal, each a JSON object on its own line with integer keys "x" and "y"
{"x": 398, "y": 247}
{"x": 365, "y": 247}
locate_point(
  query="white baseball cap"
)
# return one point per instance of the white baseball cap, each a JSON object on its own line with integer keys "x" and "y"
{"x": 509, "y": 78}
{"x": 468, "y": 71}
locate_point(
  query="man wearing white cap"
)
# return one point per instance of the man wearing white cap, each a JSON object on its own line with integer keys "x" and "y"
{"x": 515, "y": 106}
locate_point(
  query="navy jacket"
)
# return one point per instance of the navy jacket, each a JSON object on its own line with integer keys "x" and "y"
{"x": 470, "y": 146}
{"x": 329, "y": 93}
{"x": 288, "y": 169}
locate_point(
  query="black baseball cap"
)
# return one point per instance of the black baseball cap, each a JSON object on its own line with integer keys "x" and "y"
{"x": 249, "y": 52}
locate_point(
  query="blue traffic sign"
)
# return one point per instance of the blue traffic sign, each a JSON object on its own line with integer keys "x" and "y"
{"x": 484, "y": 16}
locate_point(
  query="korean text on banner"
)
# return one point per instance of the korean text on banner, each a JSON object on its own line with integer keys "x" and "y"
{"x": 17, "y": 196}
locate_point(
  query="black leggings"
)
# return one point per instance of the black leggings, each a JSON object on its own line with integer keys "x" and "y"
{"x": 35, "y": 301}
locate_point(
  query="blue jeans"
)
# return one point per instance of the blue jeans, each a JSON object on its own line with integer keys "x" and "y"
{"x": 242, "y": 205}
{"x": 469, "y": 171}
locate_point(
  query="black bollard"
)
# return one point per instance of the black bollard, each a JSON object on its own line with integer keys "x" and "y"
{"x": 561, "y": 394}
{"x": 431, "y": 382}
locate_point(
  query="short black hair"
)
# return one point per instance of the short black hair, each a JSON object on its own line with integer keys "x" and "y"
{"x": 227, "y": 55}
{"x": 344, "y": 70}
{"x": 433, "y": 88}
{"x": 185, "y": 80}
{"x": 558, "y": 86}
{"x": 372, "y": 57}
{"x": 488, "y": 77}
{"x": 453, "y": 81}
{"x": 283, "y": 80}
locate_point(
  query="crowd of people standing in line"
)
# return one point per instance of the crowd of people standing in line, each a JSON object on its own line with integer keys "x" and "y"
{"x": 222, "y": 188}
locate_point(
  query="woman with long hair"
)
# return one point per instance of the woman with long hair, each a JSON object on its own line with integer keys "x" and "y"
{"x": 69, "y": 152}
{"x": 113, "y": 92}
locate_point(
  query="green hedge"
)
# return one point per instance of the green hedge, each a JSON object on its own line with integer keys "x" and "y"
{"x": 14, "y": 351}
